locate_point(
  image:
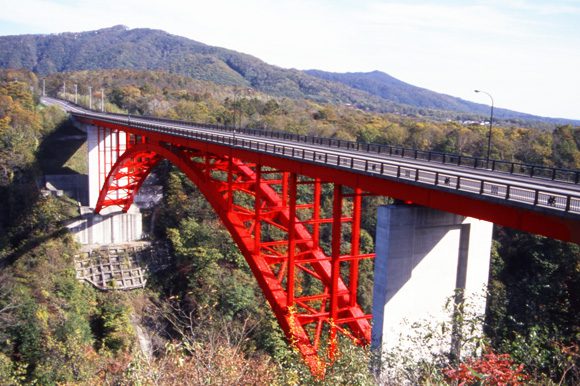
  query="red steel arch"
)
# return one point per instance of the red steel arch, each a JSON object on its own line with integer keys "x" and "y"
{"x": 255, "y": 193}
{"x": 250, "y": 198}
{"x": 256, "y": 196}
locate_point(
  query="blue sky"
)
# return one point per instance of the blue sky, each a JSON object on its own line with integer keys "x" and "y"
{"x": 526, "y": 53}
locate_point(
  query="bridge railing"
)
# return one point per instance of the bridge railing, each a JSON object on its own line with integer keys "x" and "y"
{"x": 508, "y": 167}
{"x": 491, "y": 188}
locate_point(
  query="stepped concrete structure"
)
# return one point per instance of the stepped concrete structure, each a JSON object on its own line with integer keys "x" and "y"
{"x": 114, "y": 267}
{"x": 422, "y": 256}
{"x": 73, "y": 185}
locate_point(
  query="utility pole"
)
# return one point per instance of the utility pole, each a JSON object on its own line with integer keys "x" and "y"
{"x": 76, "y": 92}
{"x": 90, "y": 97}
{"x": 490, "y": 126}
{"x": 236, "y": 92}
{"x": 64, "y": 89}
{"x": 102, "y": 100}
{"x": 44, "y": 87}
{"x": 34, "y": 104}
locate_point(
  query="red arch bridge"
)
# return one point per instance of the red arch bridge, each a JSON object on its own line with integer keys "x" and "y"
{"x": 251, "y": 178}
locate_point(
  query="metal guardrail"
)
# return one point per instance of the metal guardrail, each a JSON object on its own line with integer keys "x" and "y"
{"x": 508, "y": 167}
{"x": 549, "y": 199}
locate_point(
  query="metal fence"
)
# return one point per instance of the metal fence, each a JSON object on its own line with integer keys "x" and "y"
{"x": 508, "y": 167}
{"x": 550, "y": 199}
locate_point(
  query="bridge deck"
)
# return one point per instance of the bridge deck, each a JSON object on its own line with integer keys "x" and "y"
{"x": 546, "y": 201}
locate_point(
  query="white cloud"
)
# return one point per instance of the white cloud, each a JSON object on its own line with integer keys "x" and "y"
{"x": 541, "y": 7}
{"x": 524, "y": 52}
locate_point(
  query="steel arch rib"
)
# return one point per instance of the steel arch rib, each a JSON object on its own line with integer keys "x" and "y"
{"x": 271, "y": 285}
{"x": 113, "y": 178}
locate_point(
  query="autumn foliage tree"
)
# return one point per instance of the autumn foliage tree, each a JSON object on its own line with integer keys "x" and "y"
{"x": 491, "y": 369}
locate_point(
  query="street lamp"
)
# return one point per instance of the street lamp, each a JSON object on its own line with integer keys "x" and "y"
{"x": 490, "y": 124}
{"x": 236, "y": 93}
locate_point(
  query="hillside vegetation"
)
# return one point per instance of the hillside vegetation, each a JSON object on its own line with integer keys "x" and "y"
{"x": 119, "y": 47}
{"x": 208, "y": 320}
{"x": 428, "y": 103}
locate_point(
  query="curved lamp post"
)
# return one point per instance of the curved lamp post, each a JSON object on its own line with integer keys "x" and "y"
{"x": 490, "y": 124}
{"x": 237, "y": 92}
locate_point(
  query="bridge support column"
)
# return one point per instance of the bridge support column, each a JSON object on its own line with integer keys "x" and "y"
{"x": 422, "y": 257}
{"x": 104, "y": 147}
{"x": 93, "y": 159}
{"x": 109, "y": 227}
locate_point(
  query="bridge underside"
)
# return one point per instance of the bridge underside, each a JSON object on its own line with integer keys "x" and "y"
{"x": 276, "y": 217}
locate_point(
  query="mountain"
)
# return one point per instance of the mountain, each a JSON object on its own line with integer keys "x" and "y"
{"x": 386, "y": 87}
{"x": 389, "y": 88}
{"x": 148, "y": 49}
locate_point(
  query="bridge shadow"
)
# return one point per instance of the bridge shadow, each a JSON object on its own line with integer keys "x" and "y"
{"x": 56, "y": 151}
{"x": 62, "y": 158}
{"x": 62, "y": 161}
{"x": 91, "y": 218}
{"x": 30, "y": 245}
{"x": 61, "y": 228}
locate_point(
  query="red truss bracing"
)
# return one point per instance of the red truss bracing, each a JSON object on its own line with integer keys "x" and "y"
{"x": 276, "y": 217}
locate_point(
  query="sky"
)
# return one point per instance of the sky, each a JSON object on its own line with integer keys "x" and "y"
{"x": 525, "y": 53}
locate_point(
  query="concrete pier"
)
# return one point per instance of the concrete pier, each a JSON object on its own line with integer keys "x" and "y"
{"x": 107, "y": 228}
{"x": 422, "y": 257}
{"x": 104, "y": 147}
{"x": 110, "y": 226}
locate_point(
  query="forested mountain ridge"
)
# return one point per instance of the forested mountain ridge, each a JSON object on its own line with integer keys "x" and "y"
{"x": 147, "y": 49}
{"x": 389, "y": 88}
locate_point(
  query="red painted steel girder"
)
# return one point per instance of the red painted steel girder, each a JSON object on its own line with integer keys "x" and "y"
{"x": 280, "y": 266}
{"x": 499, "y": 211}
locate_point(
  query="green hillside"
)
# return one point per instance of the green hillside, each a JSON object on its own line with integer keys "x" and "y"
{"x": 146, "y": 49}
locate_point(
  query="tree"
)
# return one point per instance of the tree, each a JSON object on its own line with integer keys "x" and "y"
{"x": 533, "y": 303}
{"x": 566, "y": 146}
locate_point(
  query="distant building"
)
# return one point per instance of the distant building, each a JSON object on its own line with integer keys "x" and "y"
{"x": 480, "y": 123}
